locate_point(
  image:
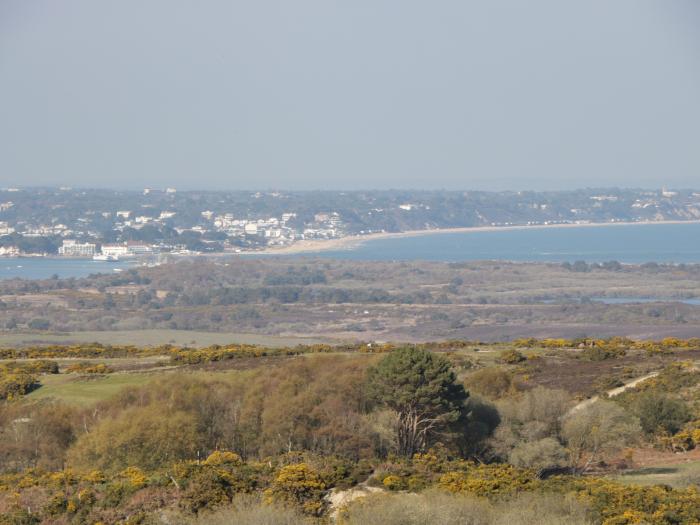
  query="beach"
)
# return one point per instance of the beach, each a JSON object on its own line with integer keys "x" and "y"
{"x": 350, "y": 242}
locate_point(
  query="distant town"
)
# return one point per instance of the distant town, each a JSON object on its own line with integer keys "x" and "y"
{"x": 113, "y": 225}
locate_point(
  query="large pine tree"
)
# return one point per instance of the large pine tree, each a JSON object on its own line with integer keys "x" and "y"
{"x": 422, "y": 389}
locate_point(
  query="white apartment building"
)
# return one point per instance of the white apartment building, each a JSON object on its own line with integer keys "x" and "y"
{"x": 73, "y": 248}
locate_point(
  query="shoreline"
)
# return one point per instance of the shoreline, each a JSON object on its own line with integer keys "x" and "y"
{"x": 351, "y": 242}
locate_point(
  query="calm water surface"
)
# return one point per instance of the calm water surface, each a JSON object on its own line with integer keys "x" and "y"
{"x": 678, "y": 243}
{"x": 45, "y": 267}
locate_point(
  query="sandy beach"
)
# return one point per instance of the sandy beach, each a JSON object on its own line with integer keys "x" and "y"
{"x": 353, "y": 241}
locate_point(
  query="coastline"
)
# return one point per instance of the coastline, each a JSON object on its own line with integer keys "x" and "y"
{"x": 351, "y": 242}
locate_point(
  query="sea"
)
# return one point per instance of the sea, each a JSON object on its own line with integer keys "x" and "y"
{"x": 628, "y": 243}
{"x": 635, "y": 243}
{"x": 47, "y": 267}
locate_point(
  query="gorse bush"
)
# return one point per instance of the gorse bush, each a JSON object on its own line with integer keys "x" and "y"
{"x": 14, "y": 385}
{"x": 511, "y": 357}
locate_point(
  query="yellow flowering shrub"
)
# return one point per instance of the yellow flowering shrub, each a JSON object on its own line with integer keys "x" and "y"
{"x": 134, "y": 476}
{"x": 219, "y": 457}
{"x": 298, "y": 484}
{"x": 489, "y": 480}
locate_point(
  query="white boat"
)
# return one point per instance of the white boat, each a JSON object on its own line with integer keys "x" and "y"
{"x": 105, "y": 258}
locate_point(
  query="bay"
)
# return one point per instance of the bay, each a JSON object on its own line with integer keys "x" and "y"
{"x": 46, "y": 267}
{"x": 634, "y": 243}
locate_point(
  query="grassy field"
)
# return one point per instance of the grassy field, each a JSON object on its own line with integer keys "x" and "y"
{"x": 85, "y": 390}
{"x": 675, "y": 475}
{"x": 154, "y": 337}
{"x": 71, "y": 389}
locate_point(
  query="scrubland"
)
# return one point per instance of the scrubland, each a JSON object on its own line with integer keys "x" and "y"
{"x": 444, "y": 432}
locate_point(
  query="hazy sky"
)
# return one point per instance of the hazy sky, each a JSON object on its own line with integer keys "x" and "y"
{"x": 298, "y": 94}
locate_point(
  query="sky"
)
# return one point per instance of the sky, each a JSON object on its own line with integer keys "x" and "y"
{"x": 352, "y": 94}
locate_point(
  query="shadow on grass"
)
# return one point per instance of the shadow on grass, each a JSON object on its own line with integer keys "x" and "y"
{"x": 651, "y": 471}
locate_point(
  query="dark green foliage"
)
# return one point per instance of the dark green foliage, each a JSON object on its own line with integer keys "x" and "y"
{"x": 421, "y": 388}
{"x": 660, "y": 413}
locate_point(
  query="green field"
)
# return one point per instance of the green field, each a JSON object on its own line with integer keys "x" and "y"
{"x": 154, "y": 337}
{"x": 71, "y": 389}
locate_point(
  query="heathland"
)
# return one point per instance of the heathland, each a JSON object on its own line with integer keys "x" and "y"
{"x": 551, "y": 431}
{"x": 319, "y": 391}
{"x": 305, "y": 300}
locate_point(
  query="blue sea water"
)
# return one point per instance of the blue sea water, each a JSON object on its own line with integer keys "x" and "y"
{"x": 45, "y": 267}
{"x": 636, "y": 243}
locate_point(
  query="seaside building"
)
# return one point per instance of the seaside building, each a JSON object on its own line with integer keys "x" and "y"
{"x": 73, "y": 248}
{"x": 115, "y": 250}
{"x": 6, "y": 229}
{"x": 9, "y": 251}
{"x": 138, "y": 248}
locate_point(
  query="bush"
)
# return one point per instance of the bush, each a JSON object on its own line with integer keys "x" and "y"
{"x": 13, "y": 386}
{"x": 599, "y": 353}
{"x": 145, "y": 437}
{"x": 540, "y": 455}
{"x": 659, "y": 413}
{"x": 89, "y": 368}
{"x": 299, "y": 485}
{"x": 492, "y": 383}
{"x": 511, "y": 357}
{"x": 245, "y": 510}
{"x": 598, "y": 430}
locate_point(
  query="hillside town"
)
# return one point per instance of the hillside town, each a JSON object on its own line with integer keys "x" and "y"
{"x": 112, "y": 225}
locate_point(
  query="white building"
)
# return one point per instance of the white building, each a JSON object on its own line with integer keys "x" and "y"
{"x": 9, "y": 251}
{"x": 73, "y": 248}
{"x": 668, "y": 194}
{"x": 6, "y": 229}
{"x": 138, "y": 248}
{"x": 115, "y": 250}
{"x": 273, "y": 233}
